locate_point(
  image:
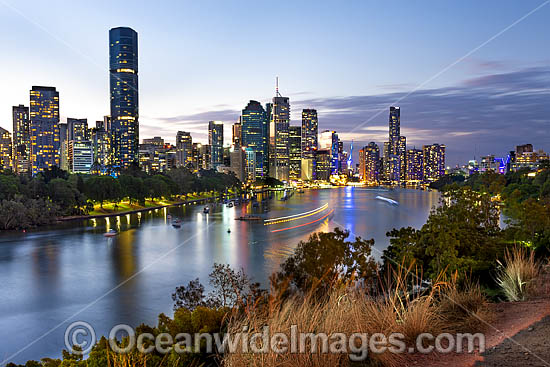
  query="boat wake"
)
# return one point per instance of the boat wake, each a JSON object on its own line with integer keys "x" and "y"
{"x": 387, "y": 200}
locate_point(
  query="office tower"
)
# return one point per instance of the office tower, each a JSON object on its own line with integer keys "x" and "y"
{"x": 184, "y": 149}
{"x": 215, "y": 140}
{"x": 402, "y": 158}
{"x": 237, "y": 133}
{"x": 386, "y": 161}
{"x": 63, "y": 147}
{"x": 254, "y": 135}
{"x": 81, "y": 156}
{"x": 205, "y": 152}
{"x": 369, "y": 163}
{"x": 123, "y": 71}
{"x": 250, "y": 164}
{"x": 295, "y": 152}
{"x": 77, "y": 129}
{"x": 5, "y": 149}
{"x": 525, "y": 148}
{"x": 238, "y": 163}
{"x": 21, "y": 139}
{"x": 309, "y": 133}
{"x": 279, "y": 121}
{"x": 415, "y": 165}
{"x": 394, "y": 146}
{"x": 342, "y": 156}
{"x": 44, "y": 115}
{"x": 323, "y": 164}
{"x": 328, "y": 139}
{"x": 101, "y": 146}
{"x": 434, "y": 161}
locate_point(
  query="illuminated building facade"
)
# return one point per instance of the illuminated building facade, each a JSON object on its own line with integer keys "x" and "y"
{"x": 402, "y": 158}
{"x": 81, "y": 156}
{"x": 328, "y": 140}
{"x": 123, "y": 71}
{"x": 237, "y": 131}
{"x": 295, "y": 152}
{"x": 279, "y": 122}
{"x": 369, "y": 163}
{"x": 394, "y": 154}
{"x": 21, "y": 139}
{"x": 323, "y": 164}
{"x": 5, "y": 149}
{"x": 415, "y": 165}
{"x": 215, "y": 140}
{"x": 101, "y": 145}
{"x": 44, "y": 117}
{"x": 184, "y": 149}
{"x": 254, "y": 134}
{"x": 310, "y": 126}
{"x": 77, "y": 129}
{"x": 250, "y": 164}
{"x": 434, "y": 161}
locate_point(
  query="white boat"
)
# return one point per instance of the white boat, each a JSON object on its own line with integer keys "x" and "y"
{"x": 110, "y": 233}
{"x": 387, "y": 200}
{"x": 206, "y": 210}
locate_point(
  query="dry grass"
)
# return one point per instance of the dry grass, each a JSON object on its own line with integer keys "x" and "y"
{"x": 516, "y": 275}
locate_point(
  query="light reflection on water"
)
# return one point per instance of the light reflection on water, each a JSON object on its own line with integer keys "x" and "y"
{"x": 46, "y": 276}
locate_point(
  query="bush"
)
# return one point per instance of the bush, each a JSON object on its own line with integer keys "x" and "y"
{"x": 516, "y": 274}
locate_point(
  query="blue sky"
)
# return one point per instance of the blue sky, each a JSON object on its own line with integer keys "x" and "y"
{"x": 203, "y": 60}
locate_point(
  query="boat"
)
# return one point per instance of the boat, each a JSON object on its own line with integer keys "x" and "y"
{"x": 387, "y": 200}
{"x": 206, "y": 210}
{"x": 248, "y": 218}
{"x": 230, "y": 204}
{"x": 110, "y": 233}
{"x": 176, "y": 223}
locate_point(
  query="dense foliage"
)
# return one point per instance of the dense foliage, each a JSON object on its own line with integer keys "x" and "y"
{"x": 26, "y": 202}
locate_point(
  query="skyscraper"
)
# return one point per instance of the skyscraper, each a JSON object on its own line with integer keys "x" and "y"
{"x": 369, "y": 163}
{"x": 295, "y": 152}
{"x": 184, "y": 149}
{"x": 328, "y": 140}
{"x": 434, "y": 161}
{"x": 279, "y": 121}
{"x": 309, "y": 133}
{"x": 237, "y": 133}
{"x": 44, "y": 115}
{"x": 123, "y": 71}
{"x": 21, "y": 139}
{"x": 394, "y": 146}
{"x": 254, "y": 134}
{"x": 101, "y": 145}
{"x": 402, "y": 158}
{"x": 415, "y": 165}
{"x": 5, "y": 149}
{"x": 215, "y": 140}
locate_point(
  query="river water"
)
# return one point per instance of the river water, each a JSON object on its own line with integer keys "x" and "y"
{"x": 52, "y": 277}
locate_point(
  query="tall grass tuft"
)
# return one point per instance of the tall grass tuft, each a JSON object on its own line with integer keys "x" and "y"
{"x": 515, "y": 276}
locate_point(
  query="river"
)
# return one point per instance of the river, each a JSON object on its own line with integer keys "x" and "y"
{"x": 54, "y": 276}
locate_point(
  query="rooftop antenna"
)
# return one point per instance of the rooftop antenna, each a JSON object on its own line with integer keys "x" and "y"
{"x": 277, "y": 94}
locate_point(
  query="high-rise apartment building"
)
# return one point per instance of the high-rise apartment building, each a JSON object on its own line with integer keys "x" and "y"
{"x": 295, "y": 152}
{"x": 415, "y": 165}
{"x": 434, "y": 161}
{"x": 394, "y": 154}
{"x": 310, "y": 125}
{"x": 21, "y": 139}
{"x": 328, "y": 140}
{"x": 77, "y": 129}
{"x": 184, "y": 149}
{"x": 123, "y": 71}
{"x": 369, "y": 163}
{"x": 5, "y": 149}
{"x": 44, "y": 117}
{"x": 215, "y": 140}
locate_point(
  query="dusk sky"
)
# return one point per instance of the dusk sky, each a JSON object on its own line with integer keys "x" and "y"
{"x": 351, "y": 60}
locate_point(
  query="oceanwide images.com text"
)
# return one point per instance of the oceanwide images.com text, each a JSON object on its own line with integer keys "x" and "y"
{"x": 357, "y": 345}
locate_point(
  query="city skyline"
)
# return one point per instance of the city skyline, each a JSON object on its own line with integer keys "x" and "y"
{"x": 480, "y": 106}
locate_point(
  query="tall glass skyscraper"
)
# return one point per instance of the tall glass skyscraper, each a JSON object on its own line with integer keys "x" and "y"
{"x": 254, "y": 135}
{"x": 396, "y": 150}
{"x": 295, "y": 152}
{"x": 215, "y": 140}
{"x": 44, "y": 115}
{"x": 309, "y": 133}
{"x": 279, "y": 121}
{"x": 123, "y": 71}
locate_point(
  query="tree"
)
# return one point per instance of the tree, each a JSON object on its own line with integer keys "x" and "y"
{"x": 328, "y": 257}
{"x": 102, "y": 188}
{"x": 461, "y": 235}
